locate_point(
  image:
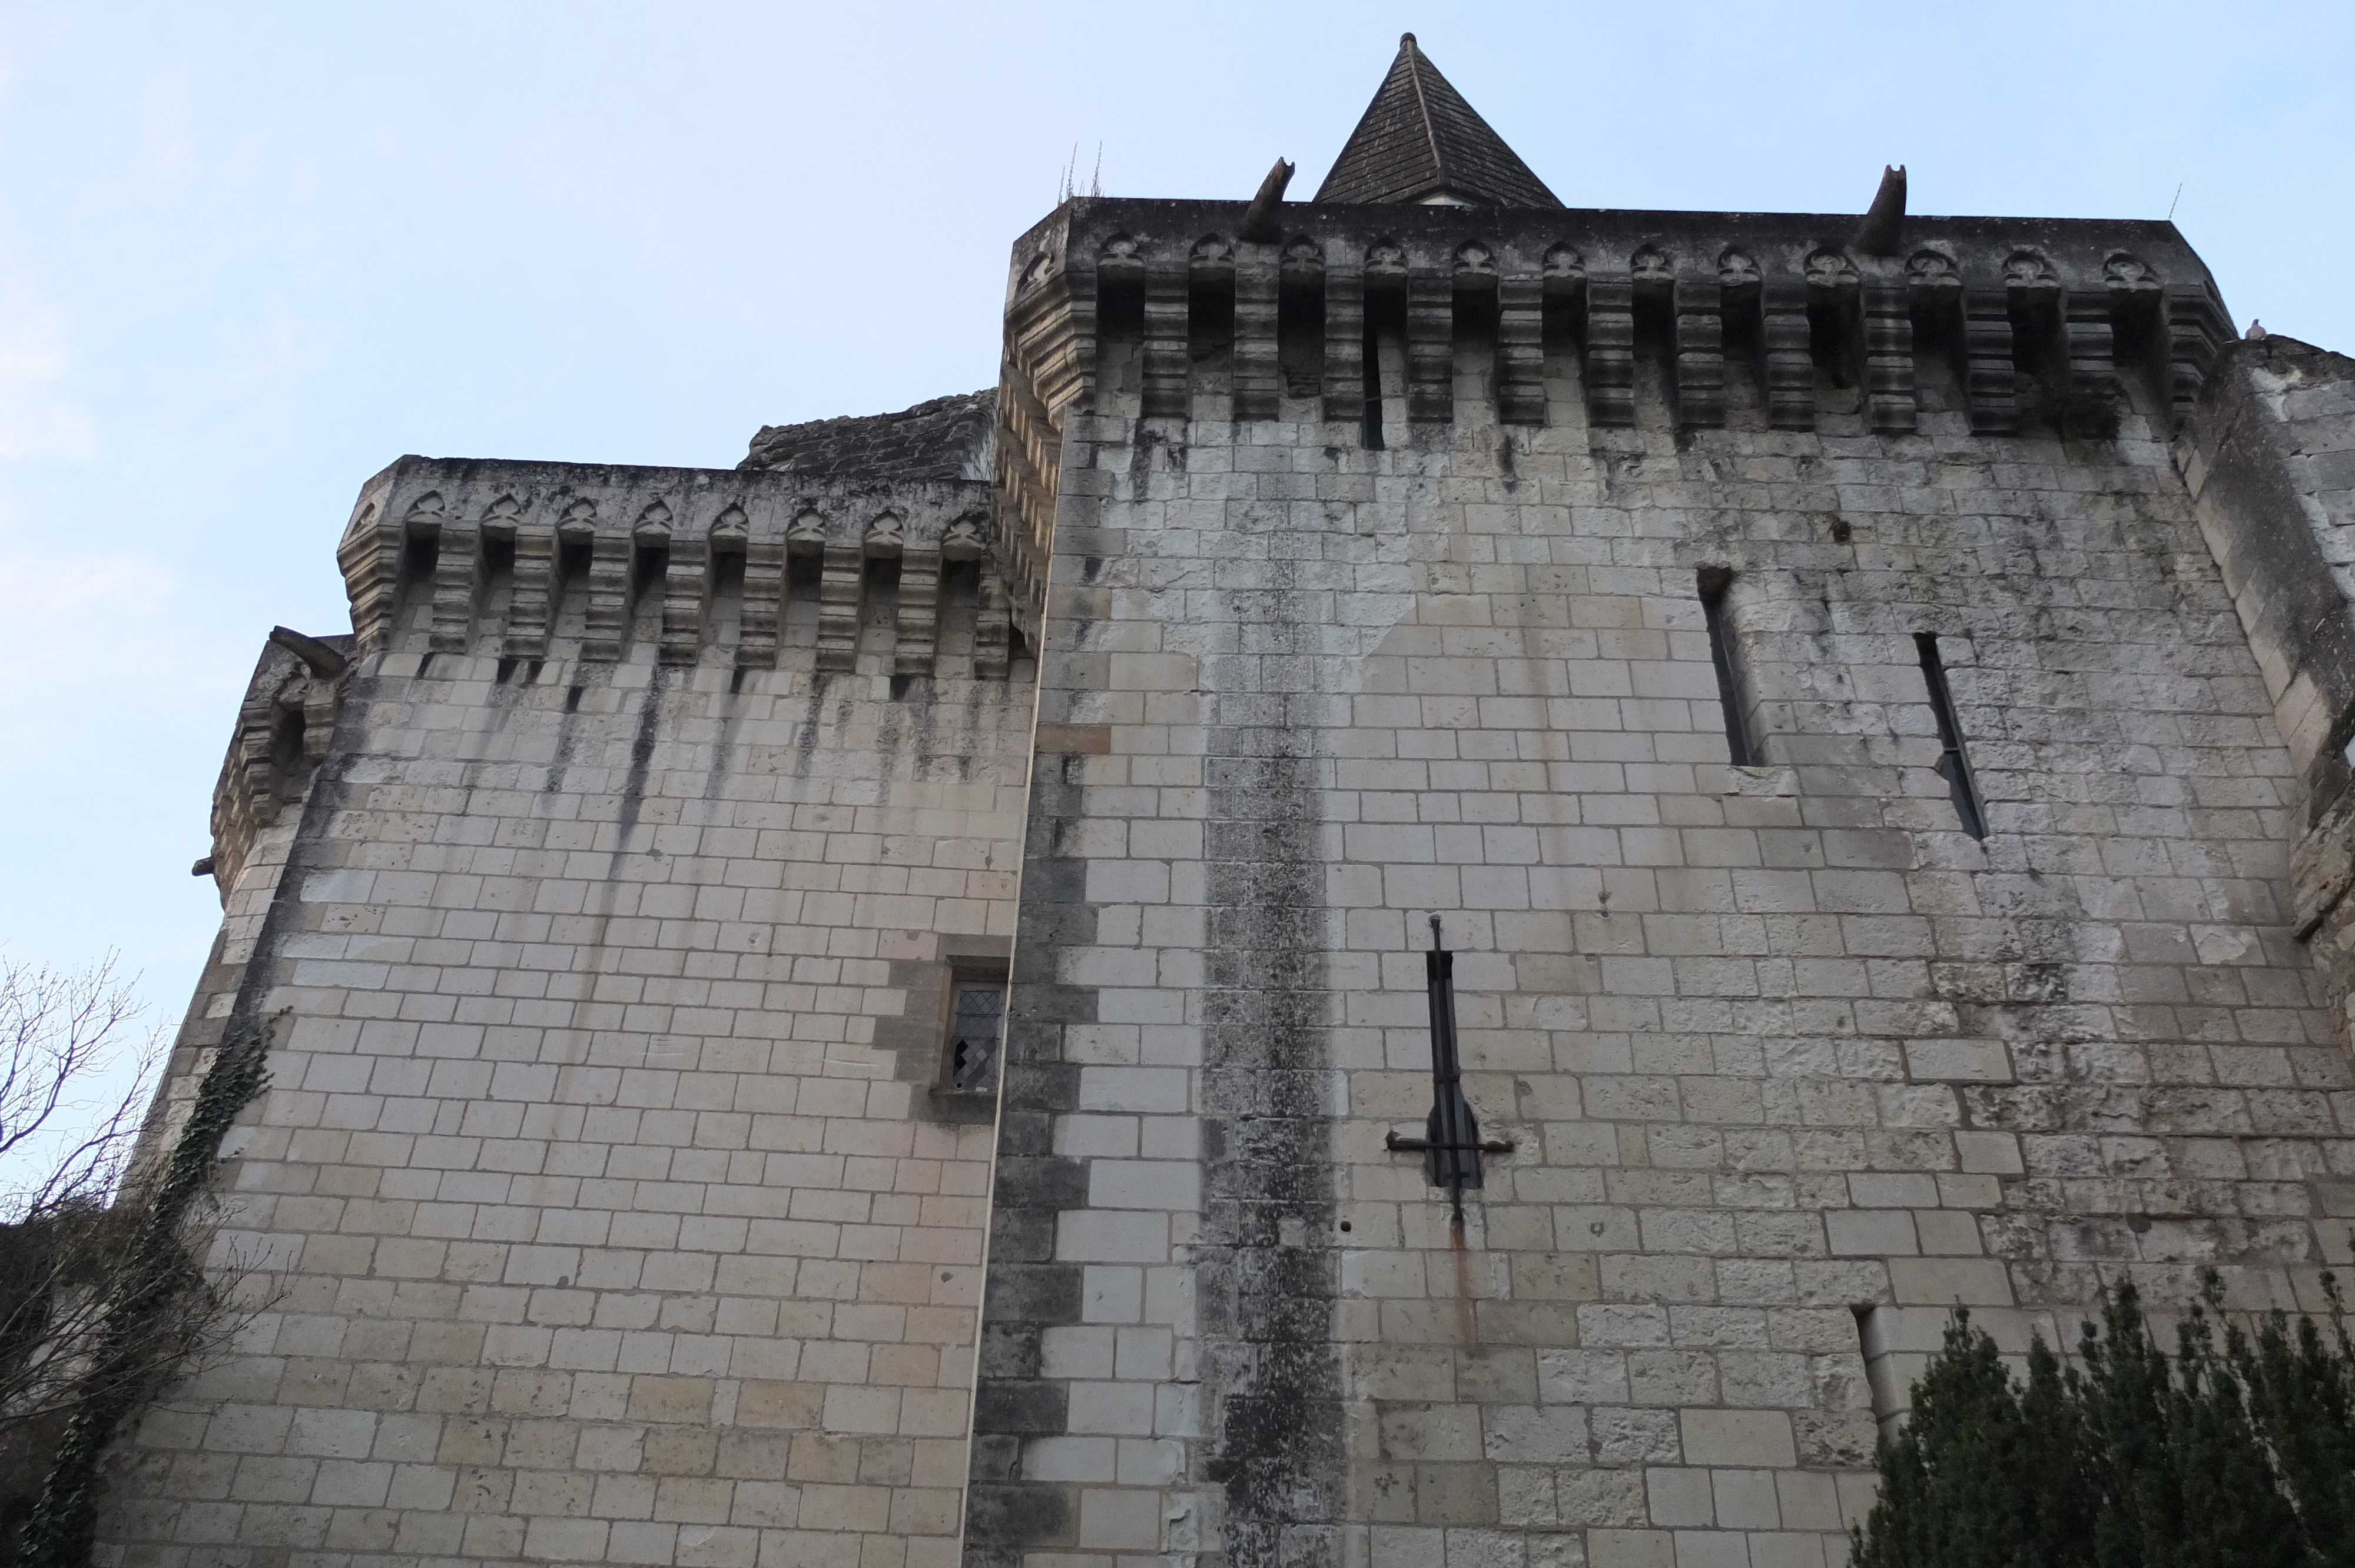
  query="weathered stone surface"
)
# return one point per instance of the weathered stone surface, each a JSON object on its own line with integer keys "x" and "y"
{"x": 1771, "y": 1044}
{"x": 1285, "y": 595}
{"x": 945, "y": 439}
{"x": 283, "y": 731}
{"x": 2265, "y": 460}
{"x": 605, "y": 1207}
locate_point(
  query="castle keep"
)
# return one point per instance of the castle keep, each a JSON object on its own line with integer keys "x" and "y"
{"x": 872, "y": 1009}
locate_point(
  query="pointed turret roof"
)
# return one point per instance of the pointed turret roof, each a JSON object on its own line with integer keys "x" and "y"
{"x": 1420, "y": 142}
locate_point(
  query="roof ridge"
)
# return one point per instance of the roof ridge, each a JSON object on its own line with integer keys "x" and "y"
{"x": 1411, "y": 52}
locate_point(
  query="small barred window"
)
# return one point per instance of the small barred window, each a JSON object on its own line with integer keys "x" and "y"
{"x": 976, "y": 1036}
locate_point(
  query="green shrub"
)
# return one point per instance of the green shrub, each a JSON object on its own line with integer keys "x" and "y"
{"x": 2237, "y": 1450}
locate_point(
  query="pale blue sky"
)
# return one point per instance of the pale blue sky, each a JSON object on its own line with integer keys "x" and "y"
{"x": 250, "y": 254}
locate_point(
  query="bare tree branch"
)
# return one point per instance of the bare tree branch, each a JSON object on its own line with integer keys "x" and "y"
{"x": 104, "y": 1297}
{"x": 62, "y": 1033}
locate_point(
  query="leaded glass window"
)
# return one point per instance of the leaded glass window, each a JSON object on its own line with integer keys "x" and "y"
{"x": 976, "y": 1036}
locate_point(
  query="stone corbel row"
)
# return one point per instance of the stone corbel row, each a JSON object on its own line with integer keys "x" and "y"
{"x": 378, "y": 559}
{"x": 1050, "y": 368}
{"x": 1977, "y": 319}
{"x": 1053, "y": 318}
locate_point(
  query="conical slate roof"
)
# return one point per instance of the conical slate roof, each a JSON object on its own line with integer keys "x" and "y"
{"x": 1418, "y": 141}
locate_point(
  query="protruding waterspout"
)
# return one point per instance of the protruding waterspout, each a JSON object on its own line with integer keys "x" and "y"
{"x": 1260, "y": 224}
{"x": 323, "y": 660}
{"x": 1878, "y": 234}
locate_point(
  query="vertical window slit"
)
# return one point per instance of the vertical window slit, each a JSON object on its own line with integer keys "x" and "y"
{"x": 1954, "y": 763}
{"x": 1714, "y": 583}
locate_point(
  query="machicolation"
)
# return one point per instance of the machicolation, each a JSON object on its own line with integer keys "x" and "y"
{"x": 1424, "y": 899}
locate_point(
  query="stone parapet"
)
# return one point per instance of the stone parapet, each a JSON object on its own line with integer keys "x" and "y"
{"x": 2043, "y": 321}
{"x": 743, "y": 569}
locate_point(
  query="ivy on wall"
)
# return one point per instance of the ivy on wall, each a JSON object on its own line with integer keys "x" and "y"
{"x": 160, "y": 1297}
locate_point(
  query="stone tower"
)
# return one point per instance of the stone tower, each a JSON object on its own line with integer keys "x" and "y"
{"x": 1866, "y": 707}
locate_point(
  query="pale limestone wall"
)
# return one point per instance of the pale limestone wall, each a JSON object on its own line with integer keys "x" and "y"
{"x": 612, "y": 1220}
{"x": 2267, "y": 464}
{"x": 2311, "y": 400}
{"x": 1791, "y": 1064}
{"x": 607, "y": 1210}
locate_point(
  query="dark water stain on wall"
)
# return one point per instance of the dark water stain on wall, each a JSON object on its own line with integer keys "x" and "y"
{"x": 728, "y": 714}
{"x": 813, "y": 720}
{"x": 642, "y": 757}
{"x": 1265, "y": 1271}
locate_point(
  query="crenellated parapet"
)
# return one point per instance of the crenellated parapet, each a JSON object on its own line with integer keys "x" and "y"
{"x": 746, "y": 569}
{"x": 2035, "y": 324}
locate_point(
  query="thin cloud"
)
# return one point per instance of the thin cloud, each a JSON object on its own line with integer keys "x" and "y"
{"x": 38, "y": 420}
